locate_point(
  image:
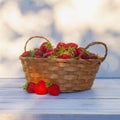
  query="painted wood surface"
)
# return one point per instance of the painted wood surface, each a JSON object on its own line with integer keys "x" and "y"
{"x": 101, "y": 102}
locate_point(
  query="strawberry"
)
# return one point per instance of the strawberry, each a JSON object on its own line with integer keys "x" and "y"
{"x": 45, "y": 46}
{"x": 49, "y": 49}
{"x": 72, "y": 45}
{"x": 25, "y": 54}
{"x": 79, "y": 51}
{"x": 93, "y": 56}
{"x": 85, "y": 54}
{"x": 38, "y": 53}
{"x": 50, "y": 53}
{"x": 65, "y": 56}
{"x": 60, "y": 48}
{"x": 30, "y": 87}
{"x": 54, "y": 90}
{"x": 61, "y": 44}
{"x": 40, "y": 88}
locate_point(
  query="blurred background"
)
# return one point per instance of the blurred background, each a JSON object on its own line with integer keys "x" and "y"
{"x": 79, "y": 21}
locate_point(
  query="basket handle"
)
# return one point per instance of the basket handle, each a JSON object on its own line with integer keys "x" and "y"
{"x": 32, "y": 38}
{"x": 100, "y": 43}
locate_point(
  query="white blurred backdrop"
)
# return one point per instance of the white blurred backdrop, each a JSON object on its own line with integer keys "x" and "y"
{"x": 80, "y": 21}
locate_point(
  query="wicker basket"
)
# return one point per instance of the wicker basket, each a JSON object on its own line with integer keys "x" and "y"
{"x": 70, "y": 74}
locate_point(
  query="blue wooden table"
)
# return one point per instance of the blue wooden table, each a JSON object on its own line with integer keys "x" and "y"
{"x": 102, "y": 102}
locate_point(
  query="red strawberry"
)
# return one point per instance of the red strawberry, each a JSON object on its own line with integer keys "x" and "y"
{"x": 73, "y": 45}
{"x": 45, "y": 46}
{"x": 71, "y": 48}
{"x": 54, "y": 90}
{"x": 61, "y": 44}
{"x": 38, "y": 53}
{"x": 40, "y": 88}
{"x": 50, "y": 53}
{"x": 65, "y": 56}
{"x": 30, "y": 87}
{"x": 92, "y": 56}
{"x": 85, "y": 54}
{"x": 49, "y": 49}
{"x": 79, "y": 51}
{"x": 25, "y": 54}
{"x": 75, "y": 53}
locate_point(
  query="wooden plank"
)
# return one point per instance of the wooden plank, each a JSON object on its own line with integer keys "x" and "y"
{"x": 62, "y": 106}
{"x": 18, "y": 93}
{"x": 12, "y": 80}
{"x": 101, "y": 102}
{"x": 58, "y": 117}
{"x": 99, "y": 90}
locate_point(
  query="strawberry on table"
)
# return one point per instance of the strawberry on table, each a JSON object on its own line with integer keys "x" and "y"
{"x": 54, "y": 90}
{"x": 40, "y": 88}
{"x": 29, "y": 87}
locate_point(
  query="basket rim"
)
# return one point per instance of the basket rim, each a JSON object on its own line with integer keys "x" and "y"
{"x": 100, "y": 59}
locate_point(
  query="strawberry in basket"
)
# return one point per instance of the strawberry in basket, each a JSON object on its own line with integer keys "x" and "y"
{"x": 38, "y": 53}
{"x": 46, "y": 46}
{"x": 85, "y": 54}
{"x": 50, "y": 54}
{"x": 66, "y": 50}
{"x": 25, "y": 54}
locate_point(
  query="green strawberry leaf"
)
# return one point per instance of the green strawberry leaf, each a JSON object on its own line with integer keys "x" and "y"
{"x": 61, "y": 50}
{"x": 52, "y": 56}
{"x": 86, "y": 52}
{"x": 25, "y": 86}
{"x": 49, "y": 45}
{"x": 48, "y": 84}
{"x": 71, "y": 50}
{"x": 32, "y": 53}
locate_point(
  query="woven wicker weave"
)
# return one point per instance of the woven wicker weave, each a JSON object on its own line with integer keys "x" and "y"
{"x": 70, "y": 74}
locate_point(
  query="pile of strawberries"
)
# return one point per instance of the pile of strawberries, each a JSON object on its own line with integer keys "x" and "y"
{"x": 61, "y": 51}
{"x": 42, "y": 88}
